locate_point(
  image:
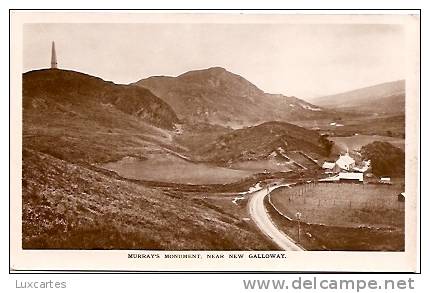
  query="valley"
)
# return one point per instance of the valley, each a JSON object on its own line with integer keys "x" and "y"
{"x": 356, "y": 142}
{"x": 169, "y": 163}
{"x": 169, "y": 168}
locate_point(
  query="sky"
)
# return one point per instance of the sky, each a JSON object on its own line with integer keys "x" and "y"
{"x": 304, "y": 60}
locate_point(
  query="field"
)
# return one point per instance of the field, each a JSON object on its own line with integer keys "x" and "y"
{"x": 259, "y": 166}
{"x": 393, "y": 126}
{"x": 347, "y": 205}
{"x": 341, "y": 216}
{"x": 389, "y": 125}
{"x": 355, "y": 142}
{"x": 169, "y": 168}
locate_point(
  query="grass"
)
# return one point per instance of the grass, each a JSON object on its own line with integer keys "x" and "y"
{"x": 66, "y": 205}
{"x": 194, "y": 136}
{"x": 260, "y": 166}
{"x": 355, "y": 142}
{"x": 342, "y": 216}
{"x": 393, "y": 126}
{"x": 169, "y": 168}
{"x": 78, "y": 138}
{"x": 258, "y": 142}
{"x": 346, "y": 205}
{"x": 70, "y": 203}
{"x": 388, "y": 125}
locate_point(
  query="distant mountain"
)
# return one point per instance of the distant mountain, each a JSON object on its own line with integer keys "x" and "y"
{"x": 385, "y": 98}
{"x": 262, "y": 141}
{"x": 52, "y": 91}
{"x": 218, "y": 96}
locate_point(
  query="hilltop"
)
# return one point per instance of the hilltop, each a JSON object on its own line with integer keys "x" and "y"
{"x": 78, "y": 117}
{"x": 385, "y": 98}
{"x": 217, "y": 96}
{"x": 263, "y": 141}
{"x": 65, "y": 92}
{"x": 74, "y": 123}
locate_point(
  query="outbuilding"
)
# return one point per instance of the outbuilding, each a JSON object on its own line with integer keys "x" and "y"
{"x": 329, "y": 167}
{"x": 351, "y": 177}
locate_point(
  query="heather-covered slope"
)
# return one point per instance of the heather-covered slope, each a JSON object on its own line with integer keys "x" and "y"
{"x": 259, "y": 142}
{"x": 218, "y": 96}
{"x": 53, "y": 90}
{"x": 72, "y": 123}
{"x": 73, "y": 206}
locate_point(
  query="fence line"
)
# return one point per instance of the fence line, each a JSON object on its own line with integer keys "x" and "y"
{"x": 298, "y": 192}
{"x": 276, "y": 209}
{"x": 318, "y": 224}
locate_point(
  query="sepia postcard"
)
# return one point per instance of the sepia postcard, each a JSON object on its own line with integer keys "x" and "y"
{"x": 155, "y": 141}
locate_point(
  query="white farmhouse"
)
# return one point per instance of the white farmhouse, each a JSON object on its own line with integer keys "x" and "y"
{"x": 345, "y": 162}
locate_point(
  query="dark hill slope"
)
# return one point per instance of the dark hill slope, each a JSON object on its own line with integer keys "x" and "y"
{"x": 81, "y": 118}
{"x": 71, "y": 206}
{"x": 57, "y": 90}
{"x": 72, "y": 122}
{"x": 218, "y": 96}
{"x": 259, "y": 142}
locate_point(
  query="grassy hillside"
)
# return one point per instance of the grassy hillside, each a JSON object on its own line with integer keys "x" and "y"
{"x": 72, "y": 123}
{"x": 194, "y": 135}
{"x": 385, "y": 98}
{"x": 386, "y": 125}
{"x": 258, "y": 142}
{"x": 68, "y": 205}
{"x": 217, "y": 96}
{"x": 69, "y": 92}
{"x": 80, "y": 118}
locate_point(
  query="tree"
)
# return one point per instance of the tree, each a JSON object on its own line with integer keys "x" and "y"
{"x": 386, "y": 159}
{"x": 326, "y": 144}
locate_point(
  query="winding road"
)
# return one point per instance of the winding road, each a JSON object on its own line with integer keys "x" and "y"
{"x": 261, "y": 218}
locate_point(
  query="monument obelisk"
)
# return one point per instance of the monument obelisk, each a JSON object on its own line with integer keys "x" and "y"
{"x": 54, "y": 64}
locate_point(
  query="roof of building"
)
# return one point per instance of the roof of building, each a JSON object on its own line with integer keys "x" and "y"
{"x": 365, "y": 165}
{"x": 351, "y": 176}
{"x": 328, "y": 165}
{"x": 361, "y": 169}
{"x": 345, "y": 160}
